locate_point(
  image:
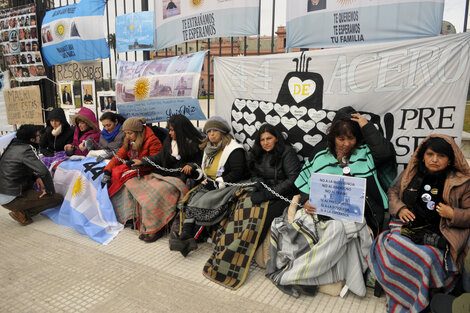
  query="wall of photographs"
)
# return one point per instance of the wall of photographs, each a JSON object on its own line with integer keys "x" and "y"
{"x": 19, "y": 43}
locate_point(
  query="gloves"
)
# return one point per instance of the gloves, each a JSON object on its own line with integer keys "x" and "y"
{"x": 106, "y": 178}
{"x": 130, "y": 163}
{"x": 258, "y": 197}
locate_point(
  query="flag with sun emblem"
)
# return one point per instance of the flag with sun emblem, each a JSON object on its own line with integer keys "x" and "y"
{"x": 86, "y": 207}
{"x": 160, "y": 88}
{"x": 134, "y": 31}
{"x": 74, "y": 33}
{"x": 338, "y": 23}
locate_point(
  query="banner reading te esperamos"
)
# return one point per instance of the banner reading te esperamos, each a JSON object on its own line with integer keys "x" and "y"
{"x": 179, "y": 21}
{"x": 160, "y": 88}
{"x": 407, "y": 89}
{"x": 336, "y": 23}
{"x": 75, "y": 33}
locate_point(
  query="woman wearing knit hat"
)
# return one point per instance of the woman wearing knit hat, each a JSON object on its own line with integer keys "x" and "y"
{"x": 223, "y": 162}
{"x": 155, "y": 209}
{"x": 86, "y": 126}
{"x": 139, "y": 142}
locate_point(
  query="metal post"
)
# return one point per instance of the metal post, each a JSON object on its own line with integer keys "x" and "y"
{"x": 208, "y": 76}
{"x": 259, "y": 26}
{"x": 466, "y": 17}
{"x": 273, "y": 25}
{"x": 145, "y": 7}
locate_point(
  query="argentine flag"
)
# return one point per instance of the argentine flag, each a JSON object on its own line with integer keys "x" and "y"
{"x": 86, "y": 207}
{"x": 74, "y": 32}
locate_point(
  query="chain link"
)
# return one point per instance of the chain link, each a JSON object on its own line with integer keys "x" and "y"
{"x": 173, "y": 170}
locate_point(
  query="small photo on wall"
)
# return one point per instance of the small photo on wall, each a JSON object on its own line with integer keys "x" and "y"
{"x": 88, "y": 94}
{"x": 106, "y": 102}
{"x": 66, "y": 95}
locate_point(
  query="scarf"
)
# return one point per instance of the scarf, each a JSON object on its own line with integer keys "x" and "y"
{"x": 211, "y": 151}
{"x": 110, "y": 136}
{"x": 56, "y": 132}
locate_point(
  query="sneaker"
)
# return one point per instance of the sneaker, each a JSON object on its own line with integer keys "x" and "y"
{"x": 21, "y": 217}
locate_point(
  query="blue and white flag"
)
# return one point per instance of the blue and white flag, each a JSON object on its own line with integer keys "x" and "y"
{"x": 74, "y": 32}
{"x": 86, "y": 207}
{"x": 160, "y": 88}
{"x": 134, "y": 31}
{"x": 322, "y": 23}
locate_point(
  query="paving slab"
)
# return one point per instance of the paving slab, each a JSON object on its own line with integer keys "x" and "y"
{"x": 46, "y": 267}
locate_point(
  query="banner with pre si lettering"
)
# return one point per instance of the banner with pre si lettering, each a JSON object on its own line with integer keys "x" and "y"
{"x": 179, "y": 21}
{"x": 134, "y": 31}
{"x": 160, "y": 88}
{"x": 407, "y": 89}
{"x": 75, "y": 32}
{"x": 322, "y": 23}
{"x": 338, "y": 196}
{"x": 19, "y": 43}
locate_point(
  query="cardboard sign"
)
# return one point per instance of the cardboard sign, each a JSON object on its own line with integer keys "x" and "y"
{"x": 338, "y": 196}
{"x": 78, "y": 71}
{"x": 24, "y": 105}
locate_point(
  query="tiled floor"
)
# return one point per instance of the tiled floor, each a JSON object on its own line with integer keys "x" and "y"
{"x": 49, "y": 268}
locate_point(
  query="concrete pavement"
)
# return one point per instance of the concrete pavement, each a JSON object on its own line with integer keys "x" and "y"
{"x": 45, "y": 267}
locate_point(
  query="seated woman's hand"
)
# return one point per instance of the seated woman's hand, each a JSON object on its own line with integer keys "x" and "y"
{"x": 137, "y": 162}
{"x": 187, "y": 169}
{"x": 309, "y": 209}
{"x": 405, "y": 215}
{"x": 445, "y": 211}
{"x": 358, "y": 118}
{"x": 68, "y": 147}
{"x": 82, "y": 146}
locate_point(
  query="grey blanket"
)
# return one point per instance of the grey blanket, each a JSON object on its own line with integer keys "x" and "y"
{"x": 208, "y": 207}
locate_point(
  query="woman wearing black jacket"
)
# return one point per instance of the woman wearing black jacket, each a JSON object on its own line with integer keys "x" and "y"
{"x": 276, "y": 164}
{"x": 58, "y": 133}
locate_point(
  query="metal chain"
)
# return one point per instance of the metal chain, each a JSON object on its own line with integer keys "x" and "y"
{"x": 173, "y": 170}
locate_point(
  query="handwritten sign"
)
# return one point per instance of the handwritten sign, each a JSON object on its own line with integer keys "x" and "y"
{"x": 337, "y": 196}
{"x": 78, "y": 71}
{"x": 24, "y": 105}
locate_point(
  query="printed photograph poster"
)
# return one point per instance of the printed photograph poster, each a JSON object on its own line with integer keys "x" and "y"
{"x": 338, "y": 196}
{"x": 67, "y": 100}
{"x": 407, "y": 89}
{"x": 106, "y": 102}
{"x": 88, "y": 94}
{"x": 134, "y": 31}
{"x": 343, "y": 23}
{"x": 19, "y": 43}
{"x": 23, "y": 105}
{"x": 160, "y": 88}
{"x": 179, "y": 21}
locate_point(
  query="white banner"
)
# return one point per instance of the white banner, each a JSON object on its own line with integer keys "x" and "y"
{"x": 409, "y": 89}
{"x": 4, "y": 84}
{"x": 321, "y": 23}
{"x": 178, "y": 21}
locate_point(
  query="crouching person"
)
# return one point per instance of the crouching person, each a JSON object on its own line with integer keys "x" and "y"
{"x": 20, "y": 167}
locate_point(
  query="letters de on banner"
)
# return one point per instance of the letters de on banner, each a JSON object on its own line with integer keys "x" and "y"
{"x": 338, "y": 196}
{"x": 78, "y": 71}
{"x": 24, "y": 105}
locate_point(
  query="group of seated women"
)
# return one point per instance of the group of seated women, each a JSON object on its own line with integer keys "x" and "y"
{"x": 208, "y": 184}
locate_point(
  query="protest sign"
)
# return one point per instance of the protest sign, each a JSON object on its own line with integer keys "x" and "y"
{"x": 78, "y": 71}
{"x": 160, "y": 88}
{"x": 24, "y": 105}
{"x": 338, "y": 196}
{"x": 19, "y": 43}
{"x": 321, "y": 23}
{"x": 134, "y": 31}
{"x": 408, "y": 89}
{"x": 179, "y": 21}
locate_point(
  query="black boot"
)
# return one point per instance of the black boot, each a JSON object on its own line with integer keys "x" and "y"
{"x": 187, "y": 231}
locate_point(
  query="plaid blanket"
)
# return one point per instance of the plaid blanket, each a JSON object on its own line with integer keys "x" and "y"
{"x": 235, "y": 242}
{"x": 408, "y": 271}
{"x": 310, "y": 253}
{"x": 151, "y": 200}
